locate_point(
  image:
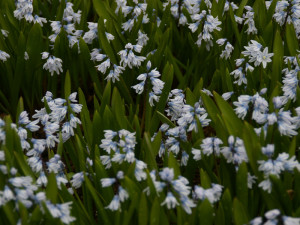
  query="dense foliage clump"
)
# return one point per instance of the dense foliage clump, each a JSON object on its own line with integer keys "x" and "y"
{"x": 149, "y": 112}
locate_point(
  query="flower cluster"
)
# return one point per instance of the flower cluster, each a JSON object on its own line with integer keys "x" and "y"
{"x": 71, "y": 18}
{"x": 213, "y": 194}
{"x": 116, "y": 70}
{"x": 21, "y": 189}
{"x": 53, "y": 63}
{"x": 254, "y": 53}
{"x": 128, "y": 58}
{"x": 287, "y": 124}
{"x": 288, "y": 12}
{"x": 24, "y": 10}
{"x": 226, "y": 53}
{"x": 275, "y": 167}
{"x": 157, "y": 84}
{"x": 4, "y": 56}
{"x": 177, "y": 189}
{"x": 290, "y": 80}
{"x": 120, "y": 147}
{"x": 122, "y": 194}
{"x": 210, "y": 145}
{"x": 249, "y": 20}
{"x": 274, "y": 217}
{"x": 205, "y": 24}
{"x": 139, "y": 10}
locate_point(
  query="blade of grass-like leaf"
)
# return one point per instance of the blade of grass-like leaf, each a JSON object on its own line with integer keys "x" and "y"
{"x": 241, "y": 184}
{"x": 101, "y": 210}
{"x": 154, "y": 213}
{"x": 150, "y": 152}
{"x": 206, "y": 213}
{"x": 233, "y": 123}
{"x": 239, "y": 213}
{"x": 143, "y": 210}
{"x": 277, "y": 59}
{"x": 291, "y": 39}
{"x": 67, "y": 86}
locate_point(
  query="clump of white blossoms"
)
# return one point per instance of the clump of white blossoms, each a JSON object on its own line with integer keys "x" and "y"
{"x": 178, "y": 190}
{"x": 106, "y": 64}
{"x": 209, "y": 146}
{"x": 290, "y": 80}
{"x": 152, "y": 77}
{"x": 71, "y": 18}
{"x": 120, "y": 147}
{"x": 136, "y": 11}
{"x": 212, "y": 194}
{"x": 24, "y": 10}
{"x": 226, "y": 53}
{"x": 253, "y": 51}
{"x": 288, "y": 12}
{"x": 275, "y": 167}
{"x": 53, "y": 63}
{"x": 255, "y": 55}
{"x": 274, "y": 217}
{"x": 187, "y": 118}
{"x": 92, "y": 34}
{"x": 51, "y": 121}
{"x": 4, "y": 56}
{"x": 205, "y": 24}
{"x": 286, "y": 123}
{"x": 121, "y": 194}
{"x": 249, "y": 20}
{"x": 235, "y": 152}
{"x": 21, "y": 189}
{"x": 128, "y": 58}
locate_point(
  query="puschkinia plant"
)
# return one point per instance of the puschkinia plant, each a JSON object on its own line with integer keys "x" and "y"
{"x": 149, "y": 112}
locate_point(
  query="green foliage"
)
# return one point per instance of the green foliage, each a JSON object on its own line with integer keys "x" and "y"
{"x": 113, "y": 105}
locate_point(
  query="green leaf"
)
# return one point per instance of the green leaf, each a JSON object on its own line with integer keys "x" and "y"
{"x": 129, "y": 213}
{"x": 100, "y": 208}
{"x": 154, "y": 214}
{"x": 104, "y": 42}
{"x": 239, "y": 213}
{"x": 119, "y": 109}
{"x": 240, "y": 10}
{"x": 233, "y": 123}
{"x": 172, "y": 163}
{"x": 143, "y": 210}
{"x": 51, "y": 189}
{"x": 242, "y": 184}
{"x": 165, "y": 119}
{"x": 85, "y": 118}
{"x": 277, "y": 59}
{"x": 67, "y": 85}
{"x": 206, "y": 213}
{"x": 205, "y": 180}
{"x": 291, "y": 39}
{"x": 106, "y": 97}
{"x": 227, "y": 206}
{"x": 150, "y": 152}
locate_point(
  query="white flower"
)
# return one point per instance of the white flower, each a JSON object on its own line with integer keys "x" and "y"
{"x": 197, "y": 154}
{"x": 251, "y": 180}
{"x": 4, "y": 56}
{"x": 123, "y": 194}
{"x": 107, "y": 182}
{"x": 77, "y": 180}
{"x": 170, "y": 201}
{"x": 114, "y": 204}
{"x": 265, "y": 57}
{"x": 266, "y": 185}
{"x": 53, "y": 64}
{"x": 167, "y": 174}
